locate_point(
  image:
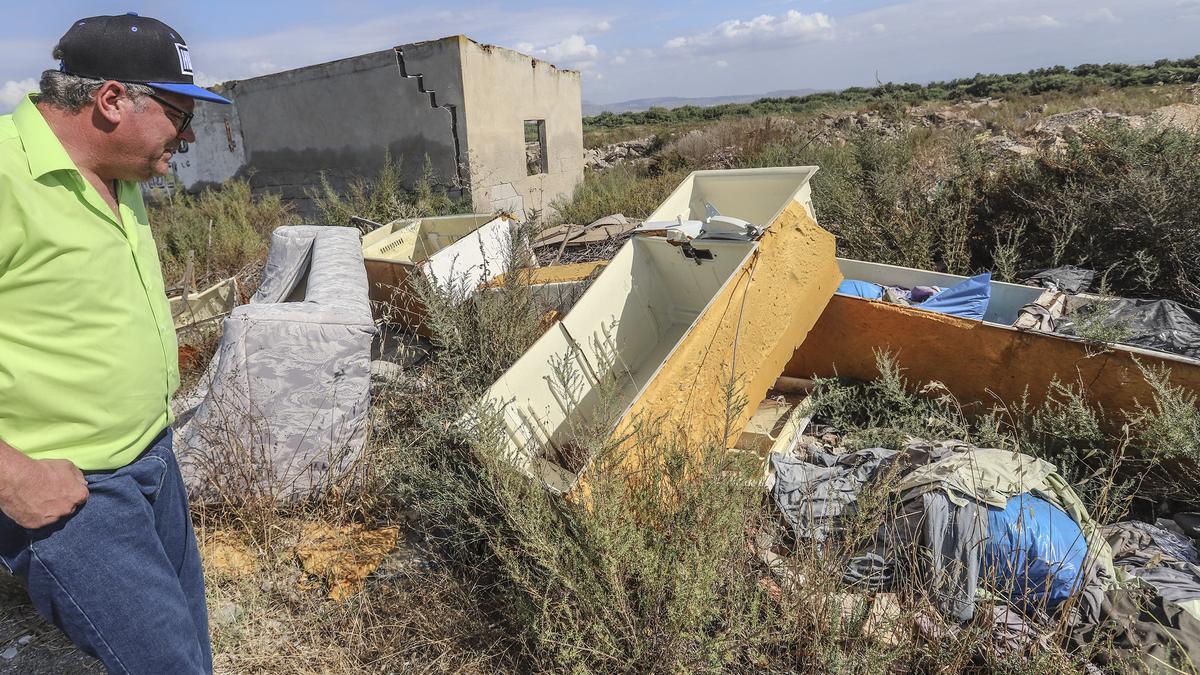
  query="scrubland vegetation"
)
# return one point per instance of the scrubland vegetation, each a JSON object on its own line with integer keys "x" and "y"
{"x": 1074, "y": 82}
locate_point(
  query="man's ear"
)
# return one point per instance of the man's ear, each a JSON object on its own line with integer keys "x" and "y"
{"x": 111, "y": 101}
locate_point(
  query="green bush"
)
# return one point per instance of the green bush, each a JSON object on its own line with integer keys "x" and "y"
{"x": 1037, "y": 81}
{"x": 889, "y": 200}
{"x": 1118, "y": 199}
{"x": 227, "y": 228}
{"x": 385, "y": 197}
{"x": 621, "y": 189}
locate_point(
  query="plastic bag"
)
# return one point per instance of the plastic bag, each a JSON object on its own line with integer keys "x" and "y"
{"x": 1034, "y": 553}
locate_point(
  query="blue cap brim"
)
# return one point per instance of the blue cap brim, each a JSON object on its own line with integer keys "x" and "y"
{"x": 189, "y": 90}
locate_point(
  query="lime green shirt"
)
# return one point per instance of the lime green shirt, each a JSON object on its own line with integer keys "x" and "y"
{"x": 88, "y": 358}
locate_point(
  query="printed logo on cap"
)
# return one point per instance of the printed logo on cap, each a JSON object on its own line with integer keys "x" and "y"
{"x": 185, "y": 59}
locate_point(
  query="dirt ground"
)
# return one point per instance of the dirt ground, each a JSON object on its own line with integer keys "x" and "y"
{"x": 28, "y": 644}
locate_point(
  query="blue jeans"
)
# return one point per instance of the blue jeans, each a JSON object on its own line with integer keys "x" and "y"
{"x": 122, "y": 576}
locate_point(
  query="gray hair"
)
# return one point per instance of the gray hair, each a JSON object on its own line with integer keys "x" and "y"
{"x": 72, "y": 93}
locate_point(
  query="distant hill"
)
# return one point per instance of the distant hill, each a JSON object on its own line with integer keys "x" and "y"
{"x": 641, "y": 104}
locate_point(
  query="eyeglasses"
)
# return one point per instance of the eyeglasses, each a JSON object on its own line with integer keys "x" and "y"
{"x": 185, "y": 117}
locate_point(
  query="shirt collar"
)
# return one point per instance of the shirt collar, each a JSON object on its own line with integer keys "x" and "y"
{"x": 42, "y": 148}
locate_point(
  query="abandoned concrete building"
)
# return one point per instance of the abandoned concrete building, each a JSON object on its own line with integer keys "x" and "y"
{"x": 498, "y": 125}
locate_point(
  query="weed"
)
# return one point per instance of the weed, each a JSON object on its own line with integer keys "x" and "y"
{"x": 385, "y": 197}
{"x": 1168, "y": 431}
{"x": 621, "y": 189}
{"x": 227, "y": 228}
{"x": 886, "y": 410}
{"x": 1117, "y": 199}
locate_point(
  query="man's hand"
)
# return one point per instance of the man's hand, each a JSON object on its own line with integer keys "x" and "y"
{"x": 39, "y": 492}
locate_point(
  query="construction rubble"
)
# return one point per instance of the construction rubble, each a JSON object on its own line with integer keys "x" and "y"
{"x": 731, "y": 279}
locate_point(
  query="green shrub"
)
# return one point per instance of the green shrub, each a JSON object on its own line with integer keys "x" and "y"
{"x": 621, "y": 189}
{"x": 385, "y": 197}
{"x": 1118, "y": 199}
{"x": 889, "y": 95}
{"x": 1168, "y": 431}
{"x": 887, "y": 200}
{"x": 227, "y": 228}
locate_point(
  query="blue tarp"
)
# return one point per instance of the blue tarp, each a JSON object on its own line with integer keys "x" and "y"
{"x": 967, "y": 299}
{"x": 861, "y": 289}
{"x": 1035, "y": 552}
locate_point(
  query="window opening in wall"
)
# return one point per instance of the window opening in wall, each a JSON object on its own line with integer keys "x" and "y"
{"x": 535, "y": 147}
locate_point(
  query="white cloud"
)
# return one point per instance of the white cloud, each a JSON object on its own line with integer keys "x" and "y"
{"x": 598, "y": 27}
{"x": 572, "y": 48}
{"x": 879, "y": 28}
{"x": 573, "y": 51}
{"x": 263, "y": 68}
{"x": 721, "y": 64}
{"x": 205, "y": 80}
{"x": 790, "y": 28}
{"x": 1018, "y": 23}
{"x": 12, "y": 91}
{"x": 639, "y": 56}
{"x": 1102, "y": 15}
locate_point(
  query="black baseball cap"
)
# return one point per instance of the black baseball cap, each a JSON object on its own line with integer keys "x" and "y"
{"x": 131, "y": 48}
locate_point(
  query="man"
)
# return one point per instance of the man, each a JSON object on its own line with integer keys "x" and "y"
{"x": 93, "y": 513}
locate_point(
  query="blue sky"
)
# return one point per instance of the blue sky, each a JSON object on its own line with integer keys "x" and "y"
{"x": 648, "y": 49}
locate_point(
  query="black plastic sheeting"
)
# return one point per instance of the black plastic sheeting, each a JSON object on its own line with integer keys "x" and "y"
{"x": 1164, "y": 325}
{"x": 1068, "y": 279}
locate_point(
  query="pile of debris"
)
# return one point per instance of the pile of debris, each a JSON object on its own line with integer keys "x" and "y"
{"x": 956, "y": 116}
{"x": 838, "y": 128}
{"x": 636, "y": 151}
{"x": 570, "y": 243}
{"x": 991, "y": 536}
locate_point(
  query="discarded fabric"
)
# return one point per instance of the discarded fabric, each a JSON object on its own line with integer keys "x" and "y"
{"x": 993, "y": 477}
{"x": 1146, "y": 632}
{"x": 860, "y": 289}
{"x": 1164, "y": 560}
{"x": 953, "y": 536}
{"x": 968, "y": 299}
{"x": 813, "y": 493}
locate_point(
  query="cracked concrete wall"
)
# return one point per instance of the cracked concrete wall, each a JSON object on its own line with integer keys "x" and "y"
{"x": 503, "y": 88}
{"x": 341, "y": 118}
